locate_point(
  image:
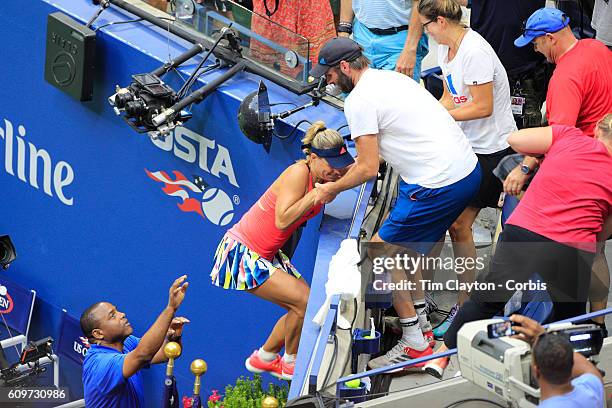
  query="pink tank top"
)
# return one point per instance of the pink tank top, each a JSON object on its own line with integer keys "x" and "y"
{"x": 257, "y": 228}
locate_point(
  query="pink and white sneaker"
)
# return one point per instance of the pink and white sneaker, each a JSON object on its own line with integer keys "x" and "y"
{"x": 436, "y": 367}
{"x": 256, "y": 365}
{"x": 287, "y": 369}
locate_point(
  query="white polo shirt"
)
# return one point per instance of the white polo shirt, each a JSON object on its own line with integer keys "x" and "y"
{"x": 416, "y": 135}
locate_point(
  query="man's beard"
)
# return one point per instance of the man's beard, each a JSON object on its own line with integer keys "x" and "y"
{"x": 345, "y": 83}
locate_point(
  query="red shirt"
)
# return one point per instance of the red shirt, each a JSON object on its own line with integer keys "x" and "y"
{"x": 257, "y": 228}
{"x": 570, "y": 197}
{"x": 580, "y": 90}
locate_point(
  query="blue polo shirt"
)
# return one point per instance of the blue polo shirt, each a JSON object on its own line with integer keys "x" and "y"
{"x": 588, "y": 393}
{"x": 103, "y": 382}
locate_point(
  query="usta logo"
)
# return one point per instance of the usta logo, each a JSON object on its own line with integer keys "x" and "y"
{"x": 212, "y": 203}
{"x": 81, "y": 346}
{"x": 212, "y": 157}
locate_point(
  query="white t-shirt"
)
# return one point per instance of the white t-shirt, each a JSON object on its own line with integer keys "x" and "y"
{"x": 416, "y": 135}
{"x": 475, "y": 64}
{"x": 602, "y": 21}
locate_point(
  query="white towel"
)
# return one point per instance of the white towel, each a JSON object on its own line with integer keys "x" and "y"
{"x": 343, "y": 277}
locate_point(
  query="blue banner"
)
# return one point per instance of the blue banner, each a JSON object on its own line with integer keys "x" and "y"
{"x": 72, "y": 344}
{"x": 15, "y": 305}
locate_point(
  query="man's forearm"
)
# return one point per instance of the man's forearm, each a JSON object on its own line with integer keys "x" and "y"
{"x": 584, "y": 366}
{"x": 415, "y": 29}
{"x": 160, "y": 356}
{"x": 346, "y": 11}
{"x": 154, "y": 338}
{"x": 355, "y": 176}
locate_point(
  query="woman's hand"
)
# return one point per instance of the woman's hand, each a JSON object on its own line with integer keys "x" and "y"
{"x": 325, "y": 193}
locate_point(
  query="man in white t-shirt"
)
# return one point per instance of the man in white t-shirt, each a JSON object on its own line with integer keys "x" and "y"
{"x": 392, "y": 116}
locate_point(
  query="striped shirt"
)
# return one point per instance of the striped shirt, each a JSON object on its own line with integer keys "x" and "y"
{"x": 382, "y": 13}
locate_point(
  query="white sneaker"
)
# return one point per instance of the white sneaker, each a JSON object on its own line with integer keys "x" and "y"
{"x": 399, "y": 353}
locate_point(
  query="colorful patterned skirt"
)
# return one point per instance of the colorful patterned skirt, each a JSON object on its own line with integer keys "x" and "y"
{"x": 238, "y": 267}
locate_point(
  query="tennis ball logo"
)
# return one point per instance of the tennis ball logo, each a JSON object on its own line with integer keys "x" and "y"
{"x": 217, "y": 206}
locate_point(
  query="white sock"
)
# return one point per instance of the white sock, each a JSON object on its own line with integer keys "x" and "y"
{"x": 411, "y": 333}
{"x": 289, "y": 358}
{"x": 419, "y": 306}
{"x": 266, "y": 355}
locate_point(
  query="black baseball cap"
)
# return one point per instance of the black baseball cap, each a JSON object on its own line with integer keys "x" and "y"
{"x": 335, "y": 50}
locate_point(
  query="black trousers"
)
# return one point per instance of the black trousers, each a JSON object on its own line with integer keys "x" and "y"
{"x": 520, "y": 255}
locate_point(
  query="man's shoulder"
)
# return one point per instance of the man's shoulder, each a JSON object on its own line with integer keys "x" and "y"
{"x": 592, "y": 44}
{"x": 588, "y": 380}
{"x": 579, "y": 59}
{"x": 130, "y": 343}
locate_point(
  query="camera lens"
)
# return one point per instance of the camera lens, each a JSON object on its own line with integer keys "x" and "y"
{"x": 122, "y": 98}
{"x": 7, "y": 251}
{"x": 135, "y": 108}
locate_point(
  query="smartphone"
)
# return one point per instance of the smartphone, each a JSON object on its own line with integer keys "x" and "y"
{"x": 500, "y": 329}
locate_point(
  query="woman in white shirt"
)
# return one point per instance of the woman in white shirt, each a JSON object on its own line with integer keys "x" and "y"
{"x": 477, "y": 95}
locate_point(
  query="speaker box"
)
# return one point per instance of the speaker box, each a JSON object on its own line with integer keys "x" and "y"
{"x": 70, "y": 54}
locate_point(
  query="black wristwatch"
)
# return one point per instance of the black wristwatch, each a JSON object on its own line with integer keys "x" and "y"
{"x": 345, "y": 27}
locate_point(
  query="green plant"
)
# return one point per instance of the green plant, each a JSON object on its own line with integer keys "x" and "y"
{"x": 248, "y": 393}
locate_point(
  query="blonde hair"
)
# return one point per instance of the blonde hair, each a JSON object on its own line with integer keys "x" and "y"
{"x": 449, "y": 9}
{"x": 605, "y": 125}
{"x": 320, "y": 137}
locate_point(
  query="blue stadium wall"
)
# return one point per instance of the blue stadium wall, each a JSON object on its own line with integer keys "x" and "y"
{"x": 89, "y": 224}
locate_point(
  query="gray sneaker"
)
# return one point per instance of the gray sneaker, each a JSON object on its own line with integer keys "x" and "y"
{"x": 399, "y": 353}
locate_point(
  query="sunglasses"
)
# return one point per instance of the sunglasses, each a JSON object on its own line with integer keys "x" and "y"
{"x": 524, "y": 28}
{"x": 429, "y": 22}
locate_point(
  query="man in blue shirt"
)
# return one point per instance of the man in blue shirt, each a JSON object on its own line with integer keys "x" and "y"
{"x": 111, "y": 370}
{"x": 566, "y": 378}
{"x": 389, "y": 32}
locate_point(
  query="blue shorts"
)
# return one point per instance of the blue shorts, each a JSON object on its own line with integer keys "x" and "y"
{"x": 422, "y": 216}
{"x": 384, "y": 50}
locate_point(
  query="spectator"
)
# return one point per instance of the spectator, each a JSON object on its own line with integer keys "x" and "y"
{"x": 602, "y": 22}
{"x": 391, "y": 115}
{"x": 499, "y": 22}
{"x": 554, "y": 230}
{"x": 249, "y": 258}
{"x": 389, "y": 32}
{"x": 579, "y": 93}
{"x": 477, "y": 96}
{"x": 581, "y": 85}
{"x": 305, "y": 25}
{"x": 566, "y": 378}
{"x": 112, "y": 374}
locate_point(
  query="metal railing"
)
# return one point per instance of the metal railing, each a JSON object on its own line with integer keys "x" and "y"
{"x": 451, "y": 352}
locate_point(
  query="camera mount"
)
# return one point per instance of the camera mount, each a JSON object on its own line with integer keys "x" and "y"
{"x": 150, "y": 105}
{"x": 34, "y": 357}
